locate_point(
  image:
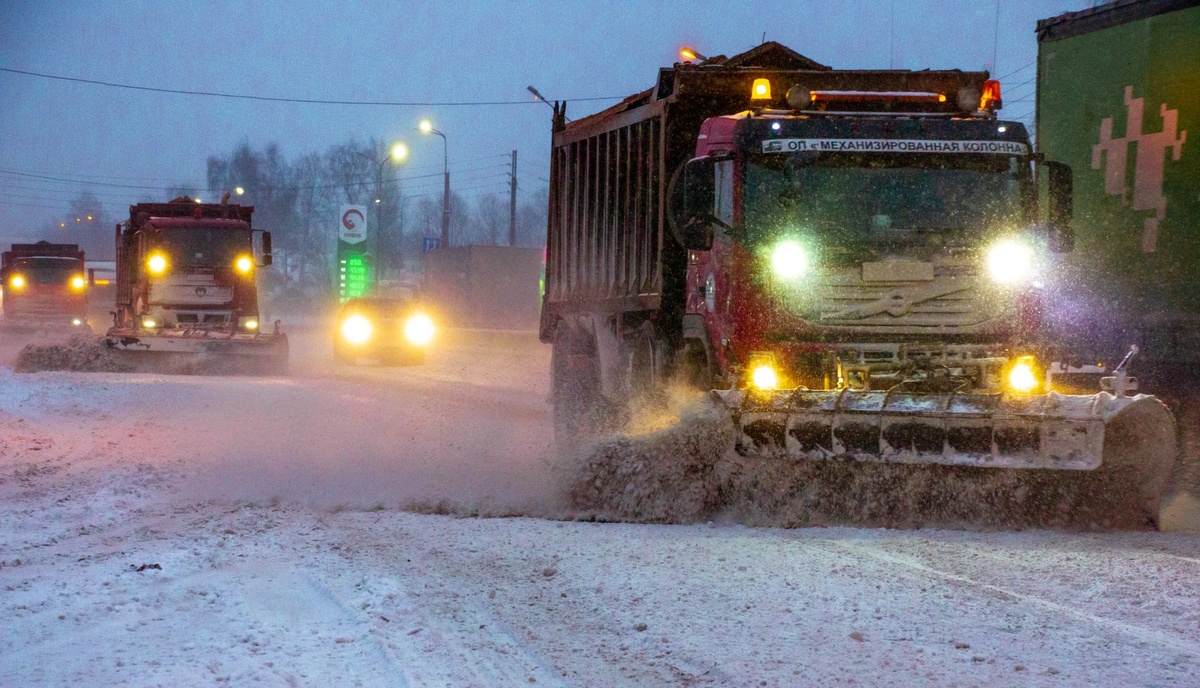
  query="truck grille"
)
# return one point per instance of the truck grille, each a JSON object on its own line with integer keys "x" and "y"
{"x": 843, "y": 298}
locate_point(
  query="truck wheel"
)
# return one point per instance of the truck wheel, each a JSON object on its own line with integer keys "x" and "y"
{"x": 694, "y": 366}
{"x": 575, "y": 387}
{"x": 643, "y": 368}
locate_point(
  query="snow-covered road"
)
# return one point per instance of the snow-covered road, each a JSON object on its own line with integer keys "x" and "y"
{"x": 161, "y": 530}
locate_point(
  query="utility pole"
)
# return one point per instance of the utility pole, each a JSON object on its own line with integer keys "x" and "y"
{"x": 512, "y": 203}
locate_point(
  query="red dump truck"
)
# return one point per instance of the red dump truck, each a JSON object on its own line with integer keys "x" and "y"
{"x": 853, "y": 261}
{"x": 187, "y": 288}
{"x": 45, "y": 287}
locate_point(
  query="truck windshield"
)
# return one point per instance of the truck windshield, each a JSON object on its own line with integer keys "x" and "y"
{"x": 855, "y": 199}
{"x": 47, "y": 270}
{"x": 203, "y": 246}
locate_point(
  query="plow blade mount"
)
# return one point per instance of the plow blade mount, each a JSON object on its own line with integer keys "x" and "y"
{"x": 201, "y": 351}
{"x": 1042, "y": 431}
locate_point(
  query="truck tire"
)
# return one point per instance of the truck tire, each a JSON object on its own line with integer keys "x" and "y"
{"x": 575, "y": 387}
{"x": 643, "y": 364}
{"x": 695, "y": 366}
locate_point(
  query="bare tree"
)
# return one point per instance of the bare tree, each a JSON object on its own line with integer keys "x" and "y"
{"x": 491, "y": 219}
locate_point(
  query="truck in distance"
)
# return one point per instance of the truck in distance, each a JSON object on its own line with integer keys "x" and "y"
{"x": 853, "y": 261}
{"x": 187, "y": 289}
{"x": 44, "y": 287}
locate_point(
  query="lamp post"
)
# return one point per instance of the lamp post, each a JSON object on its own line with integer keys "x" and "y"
{"x": 398, "y": 155}
{"x": 426, "y": 127}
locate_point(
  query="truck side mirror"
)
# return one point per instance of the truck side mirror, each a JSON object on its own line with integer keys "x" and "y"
{"x": 698, "y": 194}
{"x": 266, "y": 248}
{"x": 91, "y": 280}
{"x": 1060, "y": 235}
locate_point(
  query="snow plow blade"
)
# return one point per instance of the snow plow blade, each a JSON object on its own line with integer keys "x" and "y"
{"x": 1117, "y": 451}
{"x": 1031, "y": 431}
{"x": 201, "y": 351}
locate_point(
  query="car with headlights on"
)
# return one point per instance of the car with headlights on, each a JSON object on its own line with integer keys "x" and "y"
{"x": 391, "y": 330}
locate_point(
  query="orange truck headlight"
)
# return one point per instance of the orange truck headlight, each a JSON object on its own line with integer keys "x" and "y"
{"x": 244, "y": 264}
{"x": 78, "y": 283}
{"x": 17, "y": 282}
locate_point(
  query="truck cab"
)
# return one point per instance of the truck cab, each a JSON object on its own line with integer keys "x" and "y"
{"x": 44, "y": 285}
{"x": 188, "y": 267}
{"x": 868, "y": 238}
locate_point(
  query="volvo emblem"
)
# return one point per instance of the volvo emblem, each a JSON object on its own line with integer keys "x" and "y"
{"x": 201, "y": 291}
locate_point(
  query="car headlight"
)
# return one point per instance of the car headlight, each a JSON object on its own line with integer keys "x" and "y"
{"x": 1010, "y": 262}
{"x": 248, "y": 323}
{"x": 1021, "y": 376}
{"x": 789, "y": 260}
{"x": 418, "y": 329}
{"x": 157, "y": 264}
{"x": 77, "y": 321}
{"x": 356, "y": 329}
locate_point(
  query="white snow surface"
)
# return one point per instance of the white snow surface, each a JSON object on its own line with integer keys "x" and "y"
{"x": 170, "y": 530}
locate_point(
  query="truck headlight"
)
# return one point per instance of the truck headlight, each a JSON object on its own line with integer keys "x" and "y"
{"x": 1010, "y": 261}
{"x": 78, "y": 283}
{"x": 149, "y": 324}
{"x": 248, "y": 323}
{"x": 244, "y": 264}
{"x": 789, "y": 260}
{"x": 356, "y": 329}
{"x": 418, "y": 329}
{"x": 157, "y": 264}
{"x": 16, "y": 282}
{"x": 764, "y": 377}
{"x": 1021, "y": 376}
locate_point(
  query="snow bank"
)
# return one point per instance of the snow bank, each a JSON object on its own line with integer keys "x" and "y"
{"x": 85, "y": 353}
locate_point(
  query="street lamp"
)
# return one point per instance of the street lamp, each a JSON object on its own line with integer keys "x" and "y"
{"x": 426, "y": 127}
{"x": 399, "y": 154}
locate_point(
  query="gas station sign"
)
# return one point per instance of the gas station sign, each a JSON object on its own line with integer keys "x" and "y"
{"x": 353, "y": 270}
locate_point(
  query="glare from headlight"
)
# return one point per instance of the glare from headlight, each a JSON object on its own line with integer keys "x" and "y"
{"x": 78, "y": 283}
{"x": 1010, "y": 262}
{"x": 356, "y": 329}
{"x": 764, "y": 377}
{"x": 419, "y": 329}
{"x": 250, "y": 324}
{"x": 149, "y": 324}
{"x": 77, "y": 321}
{"x": 1021, "y": 377}
{"x": 17, "y": 282}
{"x": 157, "y": 264}
{"x": 789, "y": 260}
{"x": 244, "y": 264}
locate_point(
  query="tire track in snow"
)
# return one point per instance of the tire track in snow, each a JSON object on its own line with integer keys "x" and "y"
{"x": 468, "y": 637}
{"x": 1147, "y": 635}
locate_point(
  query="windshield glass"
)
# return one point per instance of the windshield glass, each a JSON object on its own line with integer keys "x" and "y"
{"x": 851, "y": 199}
{"x": 47, "y": 270}
{"x": 203, "y": 246}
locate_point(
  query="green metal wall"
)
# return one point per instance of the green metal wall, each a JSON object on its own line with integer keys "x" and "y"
{"x": 1082, "y": 81}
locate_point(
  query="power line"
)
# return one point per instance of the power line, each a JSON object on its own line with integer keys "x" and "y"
{"x": 275, "y": 99}
{"x": 1019, "y": 69}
